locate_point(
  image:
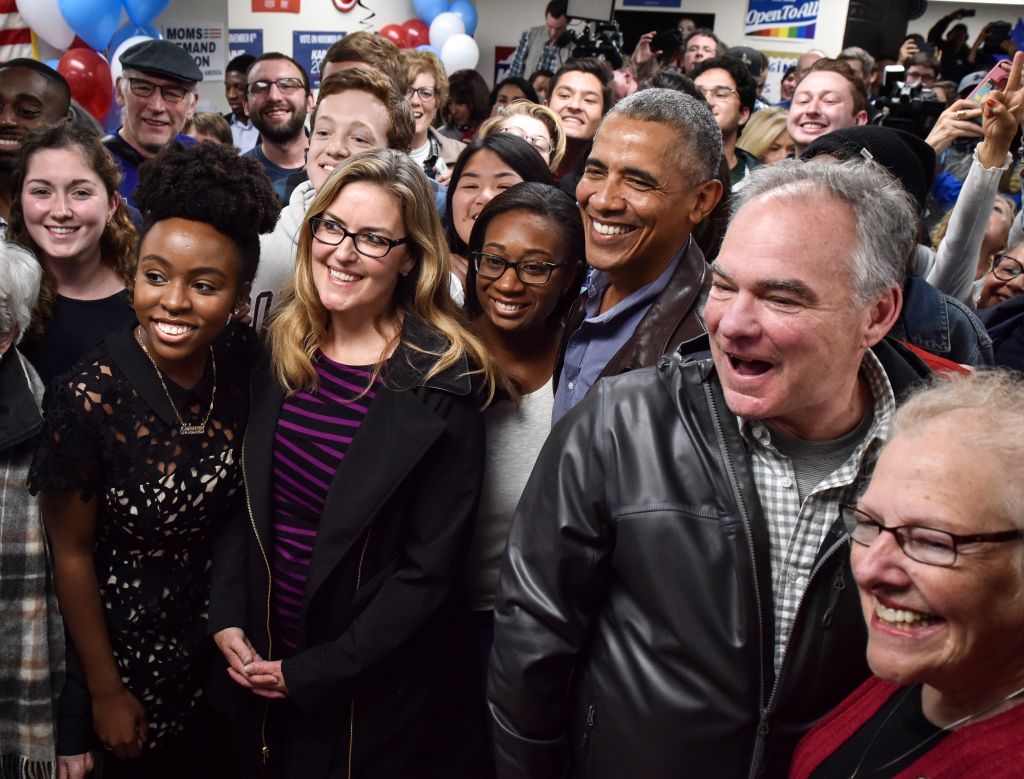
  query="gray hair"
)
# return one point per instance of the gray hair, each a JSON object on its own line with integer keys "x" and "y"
{"x": 857, "y": 53}
{"x": 700, "y": 148}
{"x": 987, "y": 406}
{"x": 884, "y": 212}
{"x": 20, "y": 274}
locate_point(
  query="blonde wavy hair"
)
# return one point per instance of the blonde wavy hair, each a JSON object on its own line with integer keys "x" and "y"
{"x": 417, "y": 62}
{"x": 300, "y": 326}
{"x": 542, "y": 113}
{"x": 761, "y": 130}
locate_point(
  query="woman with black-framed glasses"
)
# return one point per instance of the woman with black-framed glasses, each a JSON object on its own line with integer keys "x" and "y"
{"x": 1001, "y": 307}
{"x": 1005, "y": 277}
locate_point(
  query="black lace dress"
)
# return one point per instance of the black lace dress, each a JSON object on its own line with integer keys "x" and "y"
{"x": 111, "y": 433}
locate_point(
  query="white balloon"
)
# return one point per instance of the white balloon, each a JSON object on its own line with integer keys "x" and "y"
{"x": 444, "y": 27}
{"x": 44, "y": 19}
{"x": 115, "y": 60}
{"x": 460, "y": 52}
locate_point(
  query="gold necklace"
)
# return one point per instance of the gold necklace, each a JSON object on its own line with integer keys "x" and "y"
{"x": 183, "y": 428}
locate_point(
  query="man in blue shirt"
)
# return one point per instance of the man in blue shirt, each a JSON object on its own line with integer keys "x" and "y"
{"x": 649, "y": 179}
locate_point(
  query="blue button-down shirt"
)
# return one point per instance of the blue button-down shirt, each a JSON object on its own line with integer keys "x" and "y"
{"x": 600, "y": 336}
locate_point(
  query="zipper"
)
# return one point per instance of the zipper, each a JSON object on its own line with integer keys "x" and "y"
{"x": 838, "y": 585}
{"x": 762, "y": 726}
{"x": 352, "y": 700}
{"x": 588, "y": 726}
{"x": 264, "y": 748}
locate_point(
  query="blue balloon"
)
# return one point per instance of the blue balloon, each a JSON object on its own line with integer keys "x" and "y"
{"x": 142, "y": 12}
{"x": 129, "y": 30}
{"x": 94, "y": 21}
{"x": 428, "y": 9}
{"x": 428, "y": 47}
{"x": 52, "y": 64}
{"x": 465, "y": 10}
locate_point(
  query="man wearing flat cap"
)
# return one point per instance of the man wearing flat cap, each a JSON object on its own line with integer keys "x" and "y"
{"x": 156, "y": 93}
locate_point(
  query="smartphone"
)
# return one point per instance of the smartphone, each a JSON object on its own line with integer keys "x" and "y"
{"x": 994, "y": 79}
{"x": 440, "y": 167}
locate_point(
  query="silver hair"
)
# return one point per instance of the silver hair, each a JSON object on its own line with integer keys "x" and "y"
{"x": 20, "y": 274}
{"x": 700, "y": 139}
{"x": 989, "y": 415}
{"x": 857, "y": 53}
{"x": 884, "y": 212}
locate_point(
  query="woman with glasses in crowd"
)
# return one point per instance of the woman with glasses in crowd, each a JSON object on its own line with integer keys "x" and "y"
{"x": 139, "y": 464}
{"x": 339, "y": 598}
{"x": 1001, "y": 307}
{"x": 428, "y": 90}
{"x": 536, "y": 124}
{"x": 67, "y": 211}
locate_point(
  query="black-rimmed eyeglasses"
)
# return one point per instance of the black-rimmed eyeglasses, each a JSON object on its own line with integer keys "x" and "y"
{"x": 491, "y": 266}
{"x": 171, "y": 93}
{"x": 924, "y": 544}
{"x": 369, "y": 244}
{"x": 426, "y": 93}
{"x": 1006, "y": 268}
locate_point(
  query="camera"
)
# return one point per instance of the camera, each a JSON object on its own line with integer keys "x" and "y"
{"x": 913, "y": 107}
{"x": 604, "y": 41}
{"x": 667, "y": 40}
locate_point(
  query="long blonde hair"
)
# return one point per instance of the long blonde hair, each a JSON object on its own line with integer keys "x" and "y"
{"x": 300, "y": 326}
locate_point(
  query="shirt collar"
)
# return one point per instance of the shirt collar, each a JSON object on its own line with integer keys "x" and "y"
{"x": 600, "y": 281}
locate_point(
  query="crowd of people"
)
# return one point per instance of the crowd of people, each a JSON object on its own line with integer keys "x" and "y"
{"x": 606, "y": 422}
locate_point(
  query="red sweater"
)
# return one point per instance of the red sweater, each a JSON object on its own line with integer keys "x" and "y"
{"x": 992, "y": 748}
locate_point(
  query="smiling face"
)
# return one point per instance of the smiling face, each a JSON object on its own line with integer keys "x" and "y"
{"x": 187, "y": 283}
{"x": 28, "y": 101}
{"x": 788, "y": 86}
{"x": 823, "y": 102}
{"x": 532, "y": 130}
{"x": 423, "y": 111}
{"x": 782, "y": 148}
{"x": 347, "y": 123}
{"x": 578, "y": 99}
{"x": 786, "y": 335}
{"x": 728, "y": 112}
{"x": 509, "y": 305}
{"x": 277, "y": 115}
{"x": 638, "y": 207}
{"x": 995, "y": 290}
{"x": 352, "y": 286}
{"x": 484, "y": 176}
{"x": 150, "y": 123}
{"x": 958, "y": 629}
{"x": 66, "y": 205}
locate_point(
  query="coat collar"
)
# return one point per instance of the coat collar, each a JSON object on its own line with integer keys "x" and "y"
{"x": 19, "y": 407}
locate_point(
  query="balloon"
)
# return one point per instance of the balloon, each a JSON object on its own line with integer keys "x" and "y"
{"x": 417, "y": 32}
{"x": 92, "y": 20}
{"x": 45, "y": 20}
{"x": 88, "y": 75}
{"x": 466, "y": 11}
{"x": 444, "y": 27}
{"x": 427, "y": 47}
{"x": 52, "y": 64}
{"x": 115, "y": 59}
{"x": 427, "y": 10}
{"x": 395, "y": 34}
{"x": 126, "y": 31}
{"x": 459, "y": 52}
{"x": 142, "y": 12}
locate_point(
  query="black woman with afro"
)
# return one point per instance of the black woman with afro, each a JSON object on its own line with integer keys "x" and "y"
{"x": 139, "y": 466}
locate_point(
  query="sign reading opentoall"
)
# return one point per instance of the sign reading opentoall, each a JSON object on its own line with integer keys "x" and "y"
{"x": 781, "y": 18}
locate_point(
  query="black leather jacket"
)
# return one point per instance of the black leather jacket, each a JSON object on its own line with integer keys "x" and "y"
{"x": 634, "y": 626}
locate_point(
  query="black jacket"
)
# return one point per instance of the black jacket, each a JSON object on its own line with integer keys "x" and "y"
{"x": 634, "y": 627}
{"x": 382, "y": 682}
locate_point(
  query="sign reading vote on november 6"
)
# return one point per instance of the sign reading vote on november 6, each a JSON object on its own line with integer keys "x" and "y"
{"x": 309, "y": 49}
{"x": 781, "y": 18}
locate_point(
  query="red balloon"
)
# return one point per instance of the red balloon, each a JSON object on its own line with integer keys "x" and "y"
{"x": 417, "y": 32}
{"x": 88, "y": 75}
{"x": 395, "y": 34}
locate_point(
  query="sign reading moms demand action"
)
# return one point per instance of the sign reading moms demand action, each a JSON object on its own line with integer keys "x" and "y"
{"x": 781, "y": 18}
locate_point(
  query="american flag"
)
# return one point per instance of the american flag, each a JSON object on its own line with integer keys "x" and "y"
{"x": 15, "y": 36}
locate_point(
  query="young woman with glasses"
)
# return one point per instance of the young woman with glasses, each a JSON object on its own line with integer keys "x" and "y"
{"x": 338, "y": 602}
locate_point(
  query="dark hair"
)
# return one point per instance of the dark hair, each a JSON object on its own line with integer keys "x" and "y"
{"x": 375, "y": 51}
{"x": 276, "y": 55}
{"x": 514, "y": 152}
{"x": 599, "y": 69}
{"x": 468, "y": 88}
{"x": 540, "y": 72}
{"x": 671, "y": 79}
{"x": 51, "y": 75}
{"x": 788, "y": 72}
{"x": 240, "y": 64}
{"x": 401, "y": 126}
{"x": 924, "y": 59}
{"x": 516, "y": 81}
{"x": 210, "y": 183}
{"x": 720, "y": 48}
{"x": 543, "y": 200}
{"x": 746, "y": 86}
{"x": 556, "y": 8}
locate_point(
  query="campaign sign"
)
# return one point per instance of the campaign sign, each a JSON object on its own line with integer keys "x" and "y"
{"x": 205, "y": 43}
{"x": 309, "y": 49}
{"x": 781, "y": 19}
{"x": 245, "y": 42}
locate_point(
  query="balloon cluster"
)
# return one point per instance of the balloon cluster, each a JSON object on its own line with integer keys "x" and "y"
{"x": 84, "y": 28}
{"x": 444, "y": 27}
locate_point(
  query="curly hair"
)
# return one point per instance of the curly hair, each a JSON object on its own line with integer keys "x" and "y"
{"x": 417, "y": 62}
{"x": 118, "y": 241}
{"x": 542, "y": 114}
{"x": 210, "y": 183}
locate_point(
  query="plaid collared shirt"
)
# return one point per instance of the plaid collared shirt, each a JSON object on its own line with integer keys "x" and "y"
{"x": 526, "y": 61}
{"x": 797, "y": 530}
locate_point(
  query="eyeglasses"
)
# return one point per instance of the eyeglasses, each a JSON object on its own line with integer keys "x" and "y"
{"x": 721, "y": 92}
{"x": 924, "y": 544}
{"x": 286, "y": 86}
{"x": 491, "y": 266}
{"x": 426, "y": 93}
{"x": 368, "y": 244}
{"x": 539, "y": 142}
{"x": 171, "y": 93}
{"x": 1006, "y": 268}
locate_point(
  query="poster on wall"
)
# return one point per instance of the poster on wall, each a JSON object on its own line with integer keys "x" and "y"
{"x": 652, "y": 3}
{"x": 781, "y": 19}
{"x": 245, "y": 42}
{"x": 502, "y": 61}
{"x": 309, "y": 49}
{"x": 275, "y": 6}
{"x": 778, "y": 62}
{"x": 206, "y": 43}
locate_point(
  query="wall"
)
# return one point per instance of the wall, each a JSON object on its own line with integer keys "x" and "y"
{"x": 193, "y": 13}
{"x": 985, "y": 12}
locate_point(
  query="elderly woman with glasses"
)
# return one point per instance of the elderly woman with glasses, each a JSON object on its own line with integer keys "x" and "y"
{"x": 938, "y": 558}
{"x": 1001, "y": 307}
{"x": 427, "y": 92}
